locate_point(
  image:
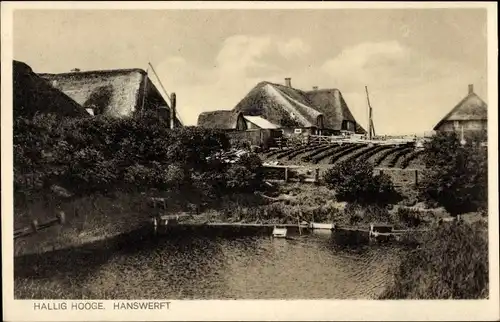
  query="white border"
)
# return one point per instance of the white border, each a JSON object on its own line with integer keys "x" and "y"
{"x": 18, "y": 310}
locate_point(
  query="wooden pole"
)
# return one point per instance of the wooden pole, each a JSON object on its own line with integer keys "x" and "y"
{"x": 144, "y": 93}
{"x": 369, "y": 114}
{"x": 286, "y": 174}
{"x": 163, "y": 88}
{"x": 173, "y": 113}
{"x": 298, "y": 222}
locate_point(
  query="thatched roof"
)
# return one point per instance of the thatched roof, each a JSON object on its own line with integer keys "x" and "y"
{"x": 117, "y": 93}
{"x": 224, "y": 120}
{"x": 331, "y": 103}
{"x": 471, "y": 107}
{"x": 32, "y": 94}
{"x": 275, "y": 102}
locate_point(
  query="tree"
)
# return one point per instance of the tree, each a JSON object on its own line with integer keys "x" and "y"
{"x": 456, "y": 175}
{"x": 354, "y": 181}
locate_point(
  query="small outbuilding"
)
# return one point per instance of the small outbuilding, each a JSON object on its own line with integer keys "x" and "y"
{"x": 468, "y": 116}
{"x": 257, "y": 122}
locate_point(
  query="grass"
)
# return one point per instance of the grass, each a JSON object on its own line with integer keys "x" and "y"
{"x": 87, "y": 219}
{"x": 450, "y": 263}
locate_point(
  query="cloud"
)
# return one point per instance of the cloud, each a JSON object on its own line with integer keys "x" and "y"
{"x": 294, "y": 47}
{"x": 371, "y": 63}
{"x": 243, "y": 51}
{"x": 175, "y": 70}
{"x": 402, "y": 82}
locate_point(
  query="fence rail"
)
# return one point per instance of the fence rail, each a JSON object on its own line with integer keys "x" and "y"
{"x": 289, "y": 173}
{"x": 336, "y": 139}
{"x": 60, "y": 219}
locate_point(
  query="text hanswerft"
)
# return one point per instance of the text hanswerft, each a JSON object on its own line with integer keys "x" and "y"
{"x": 93, "y": 305}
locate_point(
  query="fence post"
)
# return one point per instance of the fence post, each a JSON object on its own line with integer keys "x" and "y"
{"x": 316, "y": 176}
{"x": 286, "y": 174}
{"x": 416, "y": 177}
{"x": 34, "y": 225}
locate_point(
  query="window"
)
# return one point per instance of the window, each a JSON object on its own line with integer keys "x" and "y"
{"x": 298, "y": 131}
{"x": 456, "y": 124}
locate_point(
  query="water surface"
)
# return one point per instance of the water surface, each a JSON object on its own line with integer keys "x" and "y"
{"x": 211, "y": 266}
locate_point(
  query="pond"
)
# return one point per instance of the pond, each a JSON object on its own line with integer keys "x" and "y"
{"x": 213, "y": 264}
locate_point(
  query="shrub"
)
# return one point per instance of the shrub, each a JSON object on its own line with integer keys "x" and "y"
{"x": 357, "y": 214}
{"x": 102, "y": 154}
{"x": 456, "y": 175}
{"x": 245, "y": 174}
{"x": 409, "y": 217}
{"x": 452, "y": 263}
{"x": 353, "y": 181}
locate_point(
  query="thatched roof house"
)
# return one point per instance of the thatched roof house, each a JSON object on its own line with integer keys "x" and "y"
{"x": 290, "y": 107}
{"x": 222, "y": 120}
{"x": 117, "y": 93}
{"x": 470, "y": 114}
{"x": 32, "y": 94}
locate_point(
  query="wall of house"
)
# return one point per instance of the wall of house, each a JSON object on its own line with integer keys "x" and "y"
{"x": 295, "y": 131}
{"x": 259, "y": 137}
{"x": 348, "y": 126}
{"x": 241, "y": 124}
{"x": 468, "y": 125}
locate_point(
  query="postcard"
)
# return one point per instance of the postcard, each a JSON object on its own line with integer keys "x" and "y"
{"x": 260, "y": 160}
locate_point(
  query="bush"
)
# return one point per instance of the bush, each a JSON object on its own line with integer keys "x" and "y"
{"x": 103, "y": 154}
{"x": 353, "y": 181}
{"x": 409, "y": 217}
{"x": 456, "y": 175}
{"x": 365, "y": 214}
{"x": 246, "y": 174}
{"x": 452, "y": 263}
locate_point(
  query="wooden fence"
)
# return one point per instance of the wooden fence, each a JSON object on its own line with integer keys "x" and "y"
{"x": 35, "y": 226}
{"x": 318, "y": 139}
{"x": 295, "y": 173}
{"x": 290, "y": 173}
{"x": 401, "y": 177}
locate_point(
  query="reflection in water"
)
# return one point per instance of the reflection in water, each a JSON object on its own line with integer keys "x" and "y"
{"x": 217, "y": 265}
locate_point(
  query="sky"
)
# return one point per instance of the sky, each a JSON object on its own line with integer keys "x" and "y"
{"x": 417, "y": 63}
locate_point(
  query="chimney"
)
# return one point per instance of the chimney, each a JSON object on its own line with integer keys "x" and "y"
{"x": 288, "y": 82}
{"x": 172, "y": 110}
{"x": 471, "y": 89}
{"x": 315, "y": 88}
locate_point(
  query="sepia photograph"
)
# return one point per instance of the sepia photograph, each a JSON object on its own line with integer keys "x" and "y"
{"x": 275, "y": 154}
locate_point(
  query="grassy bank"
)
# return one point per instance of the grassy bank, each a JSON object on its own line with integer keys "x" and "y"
{"x": 451, "y": 262}
{"x": 88, "y": 219}
{"x": 99, "y": 217}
